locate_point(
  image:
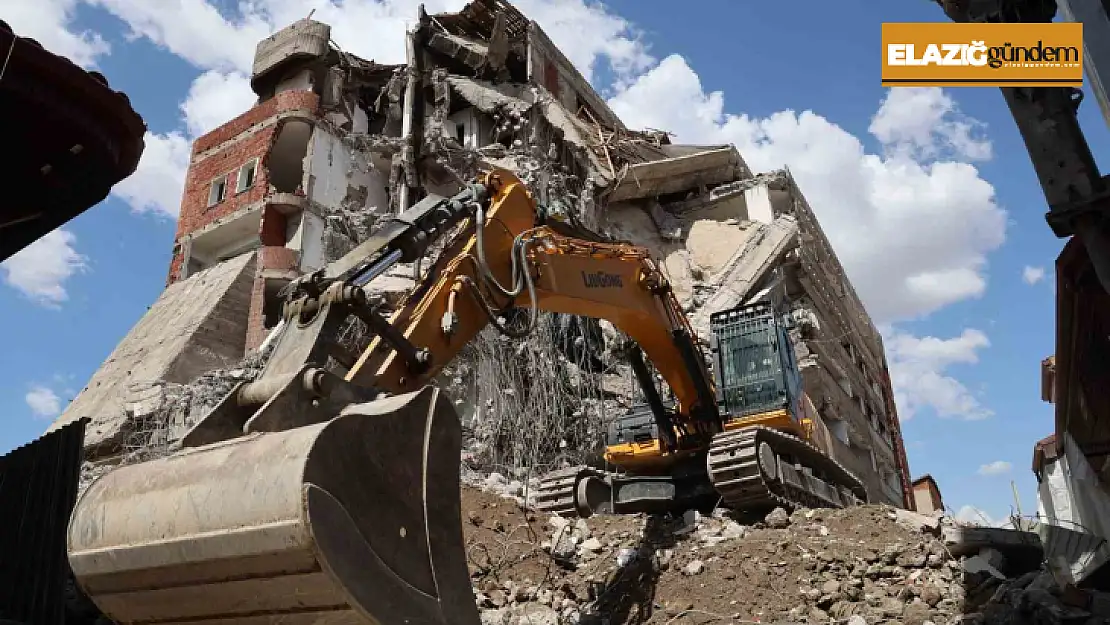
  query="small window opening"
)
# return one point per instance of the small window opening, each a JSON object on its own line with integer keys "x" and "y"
{"x": 272, "y": 302}
{"x": 460, "y": 133}
{"x": 246, "y": 175}
{"x": 218, "y": 191}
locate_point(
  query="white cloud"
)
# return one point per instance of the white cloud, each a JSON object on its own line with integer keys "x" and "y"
{"x": 975, "y": 516}
{"x": 998, "y": 467}
{"x": 40, "y": 270}
{"x": 1032, "y": 275}
{"x": 214, "y": 98}
{"x": 912, "y": 226}
{"x": 198, "y": 32}
{"x": 924, "y": 122}
{"x": 50, "y": 22}
{"x": 912, "y": 233}
{"x": 194, "y": 30}
{"x": 588, "y": 34}
{"x": 44, "y": 402}
{"x": 223, "y": 45}
{"x": 156, "y": 185}
{"x": 918, "y": 371}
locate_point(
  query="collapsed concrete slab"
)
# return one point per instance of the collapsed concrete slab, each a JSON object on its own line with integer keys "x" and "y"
{"x": 745, "y": 268}
{"x": 1019, "y": 550}
{"x": 708, "y": 167}
{"x": 196, "y": 325}
{"x": 1078, "y": 553}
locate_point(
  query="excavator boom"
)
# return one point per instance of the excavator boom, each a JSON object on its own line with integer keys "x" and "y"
{"x": 327, "y": 490}
{"x": 551, "y": 272}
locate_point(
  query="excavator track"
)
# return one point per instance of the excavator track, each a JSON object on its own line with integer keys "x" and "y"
{"x": 756, "y": 468}
{"x": 558, "y": 490}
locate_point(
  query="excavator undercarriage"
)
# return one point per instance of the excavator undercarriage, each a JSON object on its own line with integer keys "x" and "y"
{"x": 750, "y": 470}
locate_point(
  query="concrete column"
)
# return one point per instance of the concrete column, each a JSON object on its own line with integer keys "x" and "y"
{"x": 1096, "y": 45}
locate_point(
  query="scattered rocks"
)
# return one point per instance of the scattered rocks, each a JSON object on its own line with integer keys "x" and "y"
{"x": 862, "y": 566}
{"x": 777, "y": 519}
{"x": 591, "y": 544}
{"x": 695, "y": 567}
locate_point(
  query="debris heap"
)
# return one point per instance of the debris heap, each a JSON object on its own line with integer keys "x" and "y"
{"x": 864, "y": 565}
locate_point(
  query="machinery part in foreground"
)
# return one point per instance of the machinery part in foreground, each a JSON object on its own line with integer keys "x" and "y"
{"x": 38, "y": 487}
{"x": 756, "y": 468}
{"x": 571, "y": 492}
{"x": 353, "y": 520}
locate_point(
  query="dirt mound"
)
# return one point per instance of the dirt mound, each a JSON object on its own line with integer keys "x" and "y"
{"x": 870, "y": 564}
{"x": 813, "y": 565}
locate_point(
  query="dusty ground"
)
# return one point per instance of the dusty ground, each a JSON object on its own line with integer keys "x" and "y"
{"x": 822, "y": 565}
{"x": 853, "y": 566}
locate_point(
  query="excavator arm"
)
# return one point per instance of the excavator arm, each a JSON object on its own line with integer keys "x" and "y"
{"x": 327, "y": 490}
{"x": 506, "y": 261}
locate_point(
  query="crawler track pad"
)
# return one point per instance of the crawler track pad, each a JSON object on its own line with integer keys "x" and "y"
{"x": 355, "y": 520}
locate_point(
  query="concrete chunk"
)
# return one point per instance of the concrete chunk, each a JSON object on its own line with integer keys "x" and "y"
{"x": 709, "y": 167}
{"x": 1022, "y": 550}
{"x": 302, "y": 41}
{"x": 747, "y": 266}
{"x": 916, "y": 521}
{"x": 194, "y": 326}
{"x": 1081, "y": 554}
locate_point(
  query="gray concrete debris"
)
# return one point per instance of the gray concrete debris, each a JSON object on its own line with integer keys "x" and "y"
{"x": 695, "y": 567}
{"x": 1018, "y": 550}
{"x": 977, "y": 564}
{"x": 196, "y": 325}
{"x": 866, "y": 568}
{"x": 743, "y": 270}
{"x": 917, "y": 521}
{"x": 1078, "y": 554}
{"x": 777, "y": 518}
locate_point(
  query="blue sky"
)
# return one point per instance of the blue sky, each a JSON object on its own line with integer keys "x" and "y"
{"x": 966, "y": 331}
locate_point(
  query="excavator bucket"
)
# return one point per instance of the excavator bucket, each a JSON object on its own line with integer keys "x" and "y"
{"x": 355, "y": 520}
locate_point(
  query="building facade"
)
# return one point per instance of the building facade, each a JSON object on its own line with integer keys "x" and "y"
{"x": 926, "y": 495}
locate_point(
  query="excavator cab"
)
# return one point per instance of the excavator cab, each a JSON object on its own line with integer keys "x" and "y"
{"x": 755, "y": 368}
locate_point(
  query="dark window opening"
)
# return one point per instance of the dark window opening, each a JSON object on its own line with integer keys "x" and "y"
{"x": 218, "y": 191}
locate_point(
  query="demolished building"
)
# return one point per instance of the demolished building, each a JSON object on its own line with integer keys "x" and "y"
{"x": 336, "y": 144}
{"x": 926, "y": 493}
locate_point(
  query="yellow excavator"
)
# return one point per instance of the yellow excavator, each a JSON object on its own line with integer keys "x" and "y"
{"x": 327, "y": 490}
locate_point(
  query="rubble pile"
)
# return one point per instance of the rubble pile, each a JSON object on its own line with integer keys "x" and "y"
{"x": 870, "y": 564}
{"x": 159, "y": 413}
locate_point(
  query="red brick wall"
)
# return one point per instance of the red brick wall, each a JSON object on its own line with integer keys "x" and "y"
{"x": 279, "y": 258}
{"x": 272, "y": 229}
{"x": 175, "y": 264}
{"x": 225, "y": 155}
{"x": 271, "y": 258}
{"x": 551, "y": 78}
{"x": 195, "y": 212}
{"x": 256, "y": 332}
{"x": 284, "y": 101}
